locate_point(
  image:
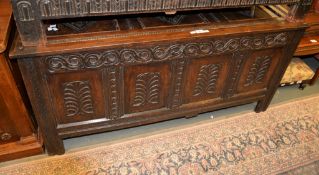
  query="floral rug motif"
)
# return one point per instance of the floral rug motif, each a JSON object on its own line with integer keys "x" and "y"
{"x": 283, "y": 138}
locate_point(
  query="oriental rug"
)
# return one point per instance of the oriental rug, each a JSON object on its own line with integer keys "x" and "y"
{"x": 279, "y": 140}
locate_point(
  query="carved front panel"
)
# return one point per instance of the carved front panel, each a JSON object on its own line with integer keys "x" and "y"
{"x": 77, "y": 96}
{"x": 258, "y": 69}
{"x": 132, "y": 55}
{"x": 146, "y": 87}
{"x": 206, "y": 78}
{"x": 140, "y": 80}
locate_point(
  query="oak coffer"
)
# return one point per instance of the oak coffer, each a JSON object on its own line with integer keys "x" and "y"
{"x": 87, "y": 70}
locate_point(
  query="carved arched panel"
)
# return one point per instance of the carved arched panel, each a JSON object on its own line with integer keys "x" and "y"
{"x": 206, "y": 77}
{"x": 47, "y": 8}
{"x": 146, "y": 87}
{"x": 25, "y": 11}
{"x": 78, "y": 96}
{"x": 258, "y": 69}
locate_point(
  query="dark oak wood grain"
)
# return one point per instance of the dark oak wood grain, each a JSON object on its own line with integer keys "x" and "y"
{"x": 18, "y": 137}
{"x": 95, "y": 74}
{"x": 316, "y": 76}
{"x": 30, "y": 15}
{"x": 309, "y": 44}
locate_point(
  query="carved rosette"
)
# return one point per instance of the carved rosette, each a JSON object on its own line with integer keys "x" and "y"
{"x": 71, "y": 62}
{"x": 5, "y": 136}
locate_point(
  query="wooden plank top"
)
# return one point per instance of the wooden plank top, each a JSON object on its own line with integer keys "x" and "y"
{"x": 5, "y": 18}
{"x": 308, "y": 45}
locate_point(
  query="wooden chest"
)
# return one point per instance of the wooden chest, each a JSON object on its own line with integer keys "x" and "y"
{"x": 18, "y": 138}
{"x": 117, "y": 72}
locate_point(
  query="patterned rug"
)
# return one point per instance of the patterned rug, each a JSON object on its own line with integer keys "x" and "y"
{"x": 281, "y": 139}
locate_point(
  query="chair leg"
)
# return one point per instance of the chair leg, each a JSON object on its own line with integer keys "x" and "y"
{"x": 315, "y": 77}
{"x": 302, "y": 86}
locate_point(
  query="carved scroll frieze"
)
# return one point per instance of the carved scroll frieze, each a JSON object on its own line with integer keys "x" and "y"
{"x": 56, "y": 8}
{"x": 207, "y": 80}
{"x": 70, "y": 62}
{"x": 258, "y": 70}
{"x": 147, "y": 89}
{"x": 252, "y": 43}
{"x": 77, "y": 98}
{"x": 81, "y": 61}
